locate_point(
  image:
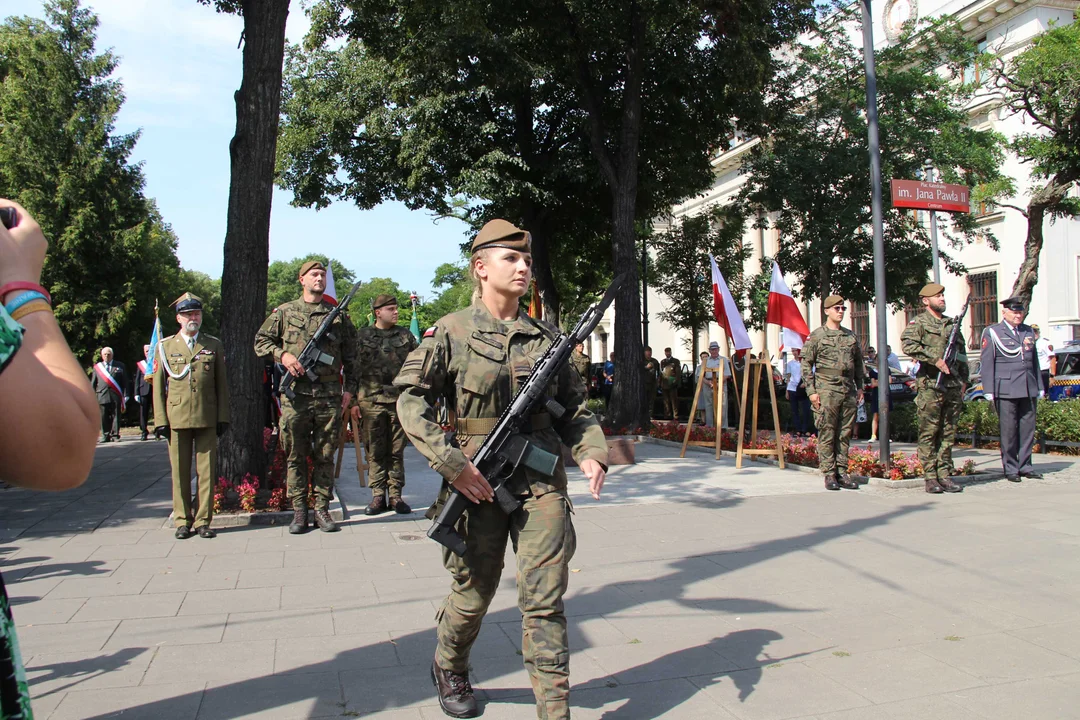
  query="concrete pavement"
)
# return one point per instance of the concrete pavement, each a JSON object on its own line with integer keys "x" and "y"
{"x": 696, "y": 592}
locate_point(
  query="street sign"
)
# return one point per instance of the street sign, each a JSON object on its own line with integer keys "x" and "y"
{"x": 930, "y": 196}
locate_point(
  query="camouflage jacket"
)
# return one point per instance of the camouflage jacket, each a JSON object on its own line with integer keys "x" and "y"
{"x": 476, "y": 362}
{"x": 382, "y": 353}
{"x": 832, "y": 358}
{"x": 289, "y": 328}
{"x": 925, "y": 338}
{"x": 581, "y": 363}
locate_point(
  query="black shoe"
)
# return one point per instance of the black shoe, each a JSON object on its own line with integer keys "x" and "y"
{"x": 455, "y": 692}
{"x": 1033, "y": 475}
{"x": 949, "y": 486}
{"x": 399, "y": 506}
{"x": 206, "y": 533}
{"x": 1012, "y": 478}
{"x": 183, "y": 532}
{"x": 299, "y": 522}
{"x": 105, "y": 439}
{"x": 325, "y": 522}
{"x": 831, "y": 484}
{"x": 143, "y": 436}
{"x": 378, "y": 505}
{"x": 933, "y": 487}
{"x": 845, "y": 481}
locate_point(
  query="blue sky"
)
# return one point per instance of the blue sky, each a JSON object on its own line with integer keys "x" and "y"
{"x": 180, "y": 66}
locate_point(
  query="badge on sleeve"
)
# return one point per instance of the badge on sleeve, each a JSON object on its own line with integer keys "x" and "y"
{"x": 984, "y": 341}
{"x": 430, "y": 332}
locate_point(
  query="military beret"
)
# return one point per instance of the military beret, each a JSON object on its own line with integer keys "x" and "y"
{"x": 309, "y": 266}
{"x": 500, "y": 233}
{"x": 931, "y": 289}
{"x": 383, "y": 300}
{"x": 187, "y": 302}
{"x": 831, "y": 301}
{"x": 1014, "y": 303}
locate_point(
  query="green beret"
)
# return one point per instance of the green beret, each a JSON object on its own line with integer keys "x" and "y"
{"x": 383, "y": 300}
{"x": 309, "y": 266}
{"x": 831, "y": 301}
{"x": 500, "y": 233}
{"x": 931, "y": 289}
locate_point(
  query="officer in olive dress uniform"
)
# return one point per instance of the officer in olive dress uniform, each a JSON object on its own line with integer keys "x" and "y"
{"x": 1010, "y": 378}
{"x": 832, "y": 369}
{"x": 191, "y": 407}
{"x": 476, "y": 358}
{"x": 383, "y": 348}
{"x": 941, "y": 388}
{"x": 310, "y": 422}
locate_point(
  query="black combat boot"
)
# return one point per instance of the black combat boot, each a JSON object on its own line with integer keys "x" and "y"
{"x": 455, "y": 692}
{"x": 830, "y": 483}
{"x": 949, "y": 486}
{"x": 299, "y": 521}
{"x": 324, "y": 521}
{"x": 378, "y": 505}
{"x": 933, "y": 487}
{"x": 846, "y": 481}
{"x": 398, "y": 505}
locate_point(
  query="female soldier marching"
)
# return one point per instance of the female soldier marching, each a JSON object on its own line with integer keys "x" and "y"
{"x": 477, "y": 358}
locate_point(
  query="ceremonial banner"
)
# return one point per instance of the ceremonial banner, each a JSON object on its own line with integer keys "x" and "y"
{"x": 784, "y": 311}
{"x": 330, "y": 293}
{"x": 726, "y": 312}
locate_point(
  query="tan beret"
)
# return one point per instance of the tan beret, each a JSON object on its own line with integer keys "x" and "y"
{"x": 383, "y": 300}
{"x": 831, "y": 301}
{"x": 931, "y": 289}
{"x": 309, "y": 266}
{"x": 500, "y": 233}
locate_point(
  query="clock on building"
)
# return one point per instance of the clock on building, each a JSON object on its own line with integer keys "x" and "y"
{"x": 898, "y": 12}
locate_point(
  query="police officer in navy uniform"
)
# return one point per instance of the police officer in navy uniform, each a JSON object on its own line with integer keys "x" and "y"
{"x": 1010, "y": 378}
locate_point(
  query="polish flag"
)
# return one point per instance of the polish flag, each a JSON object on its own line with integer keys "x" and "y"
{"x": 726, "y": 312}
{"x": 330, "y": 293}
{"x": 784, "y": 311}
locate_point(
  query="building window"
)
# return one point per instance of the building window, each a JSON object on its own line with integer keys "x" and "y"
{"x": 982, "y": 289}
{"x": 975, "y": 74}
{"x": 860, "y": 323}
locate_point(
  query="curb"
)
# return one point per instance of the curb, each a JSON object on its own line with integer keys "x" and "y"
{"x": 338, "y": 513}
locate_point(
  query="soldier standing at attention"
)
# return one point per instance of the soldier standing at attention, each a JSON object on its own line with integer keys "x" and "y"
{"x": 652, "y": 380}
{"x": 1010, "y": 377}
{"x": 926, "y": 340}
{"x": 832, "y": 371}
{"x": 477, "y": 358}
{"x": 581, "y": 363}
{"x": 383, "y": 348}
{"x": 311, "y": 421}
{"x": 670, "y": 374}
{"x": 191, "y": 408}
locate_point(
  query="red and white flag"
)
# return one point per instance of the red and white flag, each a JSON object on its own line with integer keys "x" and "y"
{"x": 784, "y": 311}
{"x": 726, "y": 312}
{"x": 330, "y": 293}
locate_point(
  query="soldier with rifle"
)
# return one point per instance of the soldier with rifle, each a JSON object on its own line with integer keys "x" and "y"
{"x": 937, "y": 342}
{"x": 313, "y": 339}
{"x": 515, "y": 397}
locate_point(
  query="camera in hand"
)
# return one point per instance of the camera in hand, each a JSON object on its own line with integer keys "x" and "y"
{"x": 9, "y": 217}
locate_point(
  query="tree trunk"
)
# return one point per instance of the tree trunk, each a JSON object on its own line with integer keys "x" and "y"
{"x": 247, "y": 237}
{"x": 541, "y": 255}
{"x": 628, "y": 391}
{"x": 1042, "y": 200}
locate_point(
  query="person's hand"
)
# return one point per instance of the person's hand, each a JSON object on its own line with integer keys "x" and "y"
{"x": 221, "y": 428}
{"x": 473, "y": 485}
{"x": 595, "y": 472}
{"x": 162, "y": 430}
{"x": 942, "y": 366}
{"x": 138, "y": 399}
{"x": 22, "y": 248}
{"x": 292, "y": 365}
{"x": 859, "y": 395}
{"x": 787, "y": 394}
{"x": 346, "y": 398}
{"x": 354, "y": 413}
{"x": 815, "y": 400}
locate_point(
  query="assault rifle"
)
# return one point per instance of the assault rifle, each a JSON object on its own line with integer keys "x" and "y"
{"x": 952, "y": 349}
{"x": 505, "y": 449}
{"x": 311, "y": 354}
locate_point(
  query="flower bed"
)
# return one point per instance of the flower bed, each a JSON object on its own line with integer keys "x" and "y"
{"x": 251, "y": 494}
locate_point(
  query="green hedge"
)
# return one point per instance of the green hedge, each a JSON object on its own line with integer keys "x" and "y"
{"x": 1059, "y": 421}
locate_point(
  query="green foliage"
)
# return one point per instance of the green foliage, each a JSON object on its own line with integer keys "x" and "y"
{"x": 1059, "y": 420}
{"x": 283, "y": 282}
{"x": 455, "y": 293}
{"x": 111, "y": 254}
{"x": 810, "y": 176}
{"x": 978, "y": 417}
{"x": 904, "y": 422}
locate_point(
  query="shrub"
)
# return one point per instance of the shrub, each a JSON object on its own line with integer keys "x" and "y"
{"x": 1059, "y": 420}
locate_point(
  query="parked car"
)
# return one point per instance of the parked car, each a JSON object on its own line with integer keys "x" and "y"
{"x": 901, "y": 386}
{"x": 1066, "y": 381}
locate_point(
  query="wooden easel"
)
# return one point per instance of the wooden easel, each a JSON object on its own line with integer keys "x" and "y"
{"x": 349, "y": 427}
{"x": 756, "y": 365}
{"x": 719, "y": 387}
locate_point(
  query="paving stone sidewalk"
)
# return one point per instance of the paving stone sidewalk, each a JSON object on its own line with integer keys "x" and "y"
{"x": 697, "y": 591}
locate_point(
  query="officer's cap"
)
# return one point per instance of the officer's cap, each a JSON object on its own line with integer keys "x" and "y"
{"x": 831, "y": 301}
{"x": 187, "y": 302}
{"x": 383, "y": 300}
{"x": 1014, "y": 303}
{"x": 500, "y": 233}
{"x": 309, "y": 266}
{"x": 931, "y": 289}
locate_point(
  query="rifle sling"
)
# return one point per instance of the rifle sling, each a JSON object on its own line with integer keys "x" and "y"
{"x": 483, "y": 426}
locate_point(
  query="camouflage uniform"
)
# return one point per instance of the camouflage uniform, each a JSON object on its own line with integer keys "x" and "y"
{"x": 832, "y": 367}
{"x": 581, "y": 363}
{"x": 938, "y": 409}
{"x": 477, "y": 363}
{"x": 382, "y": 353}
{"x": 310, "y": 423}
{"x": 652, "y": 379}
{"x": 671, "y": 372}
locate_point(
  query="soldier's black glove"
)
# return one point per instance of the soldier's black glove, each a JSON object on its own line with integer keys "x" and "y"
{"x": 221, "y": 428}
{"x": 162, "y": 431}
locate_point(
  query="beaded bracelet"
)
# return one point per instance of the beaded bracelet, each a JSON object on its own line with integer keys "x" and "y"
{"x": 31, "y": 307}
{"x": 11, "y": 334}
{"x": 23, "y": 298}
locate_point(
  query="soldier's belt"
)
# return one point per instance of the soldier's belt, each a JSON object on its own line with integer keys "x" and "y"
{"x": 832, "y": 372}
{"x": 321, "y": 379}
{"x": 483, "y": 426}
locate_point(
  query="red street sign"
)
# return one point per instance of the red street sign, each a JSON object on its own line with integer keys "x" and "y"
{"x": 930, "y": 196}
